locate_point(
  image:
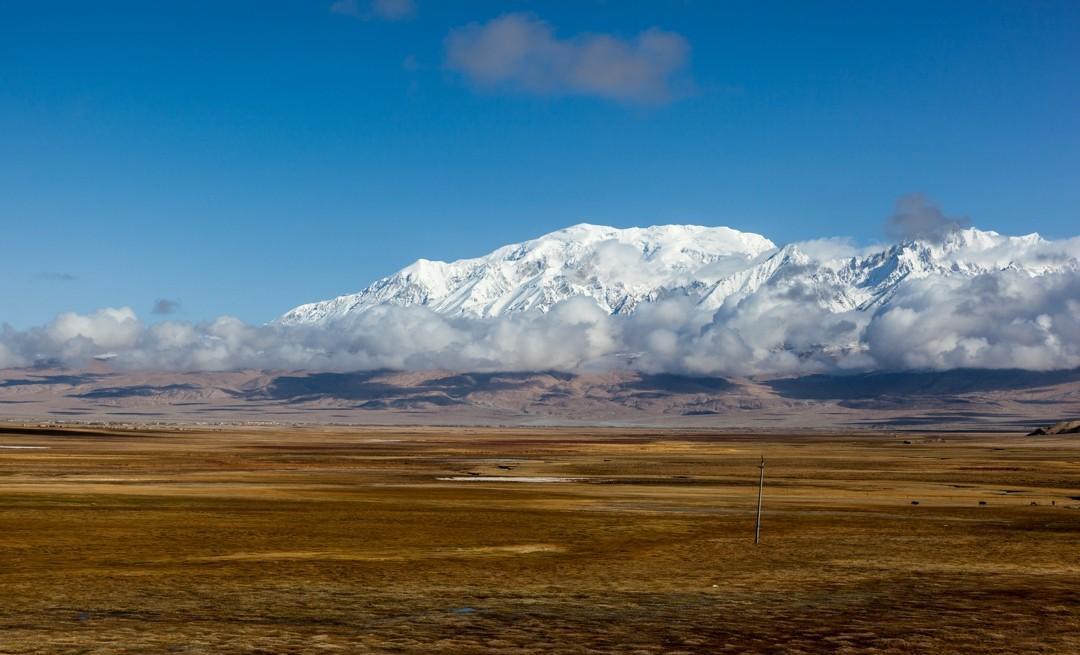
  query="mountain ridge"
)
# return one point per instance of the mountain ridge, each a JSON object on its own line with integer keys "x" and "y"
{"x": 623, "y": 268}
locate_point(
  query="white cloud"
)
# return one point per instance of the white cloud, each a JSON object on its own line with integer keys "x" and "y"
{"x": 108, "y": 329}
{"x": 522, "y": 53}
{"x": 9, "y": 359}
{"x": 1006, "y": 320}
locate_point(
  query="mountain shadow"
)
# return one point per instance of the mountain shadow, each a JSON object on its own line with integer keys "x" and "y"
{"x": 136, "y": 391}
{"x": 917, "y": 383}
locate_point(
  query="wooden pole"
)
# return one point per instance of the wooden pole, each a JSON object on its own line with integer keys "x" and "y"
{"x": 760, "y": 491}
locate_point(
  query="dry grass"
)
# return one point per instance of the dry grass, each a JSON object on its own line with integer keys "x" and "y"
{"x": 249, "y": 541}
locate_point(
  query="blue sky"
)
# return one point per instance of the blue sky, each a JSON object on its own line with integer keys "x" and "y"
{"x": 244, "y": 157}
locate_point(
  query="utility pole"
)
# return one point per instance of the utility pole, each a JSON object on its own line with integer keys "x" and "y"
{"x": 760, "y": 491}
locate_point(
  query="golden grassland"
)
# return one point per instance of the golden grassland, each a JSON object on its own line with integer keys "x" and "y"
{"x": 309, "y": 540}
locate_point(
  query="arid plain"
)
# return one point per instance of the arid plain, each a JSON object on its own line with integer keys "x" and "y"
{"x": 420, "y": 540}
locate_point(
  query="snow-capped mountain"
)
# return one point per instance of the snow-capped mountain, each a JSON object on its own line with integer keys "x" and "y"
{"x": 618, "y": 268}
{"x": 622, "y": 268}
{"x": 868, "y": 279}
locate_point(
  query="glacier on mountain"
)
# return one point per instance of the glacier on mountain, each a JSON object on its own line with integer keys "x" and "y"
{"x": 622, "y": 270}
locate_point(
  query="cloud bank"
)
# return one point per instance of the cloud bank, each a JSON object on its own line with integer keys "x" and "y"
{"x": 519, "y": 52}
{"x": 1005, "y": 319}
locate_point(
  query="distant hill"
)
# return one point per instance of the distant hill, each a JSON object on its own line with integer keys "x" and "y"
{"x": 960, "y": 399}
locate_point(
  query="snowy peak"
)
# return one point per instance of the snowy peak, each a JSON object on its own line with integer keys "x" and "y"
{"x": 622, "y": 268}
{"x": 862, "y": 281}
{"x": 618, "y": 268}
